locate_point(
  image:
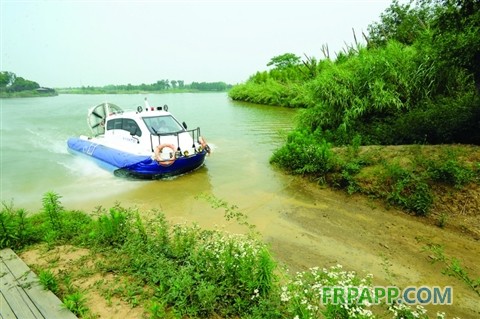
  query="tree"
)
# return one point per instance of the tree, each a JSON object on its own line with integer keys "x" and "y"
{"x": 21, "y": 84}
{"x": 401, "y": 22}
{"x": 284, "y": 61}
{"x": 6, "y": 79}
{"x": 457, "y": 35}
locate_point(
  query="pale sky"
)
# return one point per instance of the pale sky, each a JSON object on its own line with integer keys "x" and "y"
{"x": 75, "y": 43}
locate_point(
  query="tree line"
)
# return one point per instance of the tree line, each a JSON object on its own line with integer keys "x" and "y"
{"x": 158, "y": 86}
{"x": 10, "y": 83}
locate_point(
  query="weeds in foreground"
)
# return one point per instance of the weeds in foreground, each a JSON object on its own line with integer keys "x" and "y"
{"x": 76, "y": 303}
{"x": 48, "y": 281}
{"x": 231, "y": 212}
{"x": 304, "y": 296}
{"x": 453, "y": 267}
{"x": 442, "y": 220}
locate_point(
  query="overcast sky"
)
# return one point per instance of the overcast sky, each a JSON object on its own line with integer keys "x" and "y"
{"x": 76, "y": 43}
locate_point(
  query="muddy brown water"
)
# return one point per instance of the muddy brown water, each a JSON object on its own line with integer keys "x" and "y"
{"x": 304, "y": 224}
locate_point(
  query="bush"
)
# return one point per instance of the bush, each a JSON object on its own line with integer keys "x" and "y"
{"x": 408, "y": 189}
{"x": 306, "y": 155}
{"x": 17, "y": 229}
{"x": 448, "y": 170}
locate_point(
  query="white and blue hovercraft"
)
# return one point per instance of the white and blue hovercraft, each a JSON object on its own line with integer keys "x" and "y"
{"x": 149, "y": 143}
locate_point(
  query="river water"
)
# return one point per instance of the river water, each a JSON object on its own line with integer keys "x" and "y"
{"x": 35, "y": 158}
{"x": 304, "y": 224}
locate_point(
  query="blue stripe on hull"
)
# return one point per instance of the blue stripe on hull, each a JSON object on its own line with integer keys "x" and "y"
{"x": 130, "y": 165}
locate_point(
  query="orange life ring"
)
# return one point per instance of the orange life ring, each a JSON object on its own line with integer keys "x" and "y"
{"x": 158, "y": 152}
{"x": 203, "y": 143}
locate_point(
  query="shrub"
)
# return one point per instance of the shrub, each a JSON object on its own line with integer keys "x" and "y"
{"x": 304, "y": 154}
{"x": 448, "y": 170}
{"x": 16, "y": 229}
{"x": 408, "y": 189}
{"x": 48, "y": 281}
{"x": 112, "y": 229}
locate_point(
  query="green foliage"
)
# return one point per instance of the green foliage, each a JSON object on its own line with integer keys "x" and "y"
{"x": 48, "y": 281}
{"x": 53, "y": 209}
{"x": 303, "y": 294}
{"x": 208, "y": 271}
{"x": 21, "y": 84}
{"x": 408, "y": 189}
{"x": 157, "y": 310}
{"x": 455, "y": 35}
{"x": 304, "y": 154}
{"x": 210, "y": 86}
{"x": 159, "y": 86}
{"x": 417, "y": 81}
{"x": 76, "y": 303}
{"x": 12, "y": 85}
{"x": 401, "y": 311}
{"x": 16, "y": 230}
{"x": 401, "y": 22}
{"x": 448, "y": 170}
{"x": 112, "y": 229}
{"x": 6, "y": 79}
{"x": 8, "y": 229}
{"x": 271, "y": 92}
{"x": 284, "y": 61}
{"x": 453, "y": 267}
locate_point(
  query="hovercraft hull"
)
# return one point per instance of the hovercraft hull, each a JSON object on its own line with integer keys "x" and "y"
{"x": 132, "y": 165}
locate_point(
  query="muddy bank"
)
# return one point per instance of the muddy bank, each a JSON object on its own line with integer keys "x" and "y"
{"x": 322, "y": 227}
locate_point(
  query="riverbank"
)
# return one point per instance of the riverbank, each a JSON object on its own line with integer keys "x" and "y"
{"x": 324, "y": 229}
{"x": 439, "y": 183}
{"x": 96, "y": 91}
{"x": 30, "y": 93}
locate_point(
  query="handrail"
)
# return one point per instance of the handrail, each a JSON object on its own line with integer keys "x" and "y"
{"x": 191, "y": 131}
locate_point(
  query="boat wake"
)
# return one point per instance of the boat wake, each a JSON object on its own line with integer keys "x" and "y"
{"x": 47, "y": 140}
{"x": 77, "y": 166}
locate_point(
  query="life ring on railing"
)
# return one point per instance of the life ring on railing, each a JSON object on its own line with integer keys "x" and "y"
{"x": 203, "y": 143}
{"x": 158, "y": 154}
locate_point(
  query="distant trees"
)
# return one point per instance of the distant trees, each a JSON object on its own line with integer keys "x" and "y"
{"x": 6, "y": 79}
{"x": 158, "y": 86}
{"x": 9, "y": 82}
{"x": 210, "y": 86}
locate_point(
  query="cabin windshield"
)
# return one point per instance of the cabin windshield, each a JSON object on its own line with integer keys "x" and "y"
{"x": 162, "y": 124}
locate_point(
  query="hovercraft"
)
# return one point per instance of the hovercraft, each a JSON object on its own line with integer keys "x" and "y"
{"x": 149, "y": 143}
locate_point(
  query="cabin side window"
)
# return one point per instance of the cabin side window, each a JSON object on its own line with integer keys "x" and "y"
{"x": 131, "y": 126}
{"x": 128, "y": 125}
